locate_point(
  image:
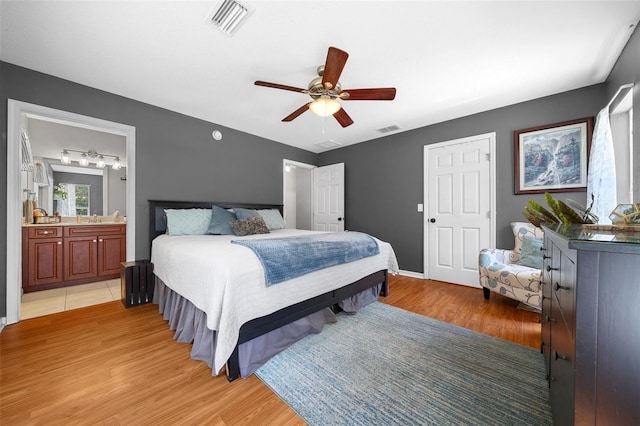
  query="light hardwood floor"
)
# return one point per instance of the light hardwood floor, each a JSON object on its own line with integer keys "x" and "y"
{"x": 105, "y": 364}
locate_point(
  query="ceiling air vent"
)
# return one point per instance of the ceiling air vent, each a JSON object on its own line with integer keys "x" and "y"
{"x": 389, "y": 129}
{"x": 230, "y": 16}
{"x": 328, "y": 144}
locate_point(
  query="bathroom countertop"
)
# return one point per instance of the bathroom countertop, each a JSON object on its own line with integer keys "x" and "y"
{"x": 26, "y": 225}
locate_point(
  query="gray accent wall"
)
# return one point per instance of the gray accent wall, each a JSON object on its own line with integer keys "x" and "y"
{"x": 176, "y": 157}
{"x": 384, "y": 177}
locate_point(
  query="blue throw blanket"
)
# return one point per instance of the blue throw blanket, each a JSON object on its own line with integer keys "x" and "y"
{"x": 287, "y": 258}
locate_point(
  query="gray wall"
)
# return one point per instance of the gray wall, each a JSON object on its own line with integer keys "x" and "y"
{"x": 117, "y": 193}
{"x": 176, "y": 157}
{"x": 384, "y": 177}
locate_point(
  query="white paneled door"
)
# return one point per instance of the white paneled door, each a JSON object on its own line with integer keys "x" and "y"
{"x": 460, "y": 201}
{"x": 328, "y": 209}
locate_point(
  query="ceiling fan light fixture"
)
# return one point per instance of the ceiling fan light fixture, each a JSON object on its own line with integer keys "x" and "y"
{"x": 324, "y": 106}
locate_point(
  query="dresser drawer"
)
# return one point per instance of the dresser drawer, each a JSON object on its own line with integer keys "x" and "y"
{"x": 45, "y": 232}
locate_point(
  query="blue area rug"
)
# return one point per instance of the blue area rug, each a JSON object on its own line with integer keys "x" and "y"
{"x": 385, "y": 365}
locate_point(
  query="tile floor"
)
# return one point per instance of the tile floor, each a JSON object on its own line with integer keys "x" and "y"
{"x": 47, "y": 302}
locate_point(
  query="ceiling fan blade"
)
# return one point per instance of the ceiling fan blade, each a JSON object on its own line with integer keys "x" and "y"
{"x": 333, "y": 67}
{"x": 280, "y": 86}
{"x": 377, "y": 94}
{"x": 297, "y": 112}
{"x": 343, "y": 118}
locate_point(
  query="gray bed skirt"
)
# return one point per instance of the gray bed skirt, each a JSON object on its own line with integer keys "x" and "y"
{"x": 190, "y": 326}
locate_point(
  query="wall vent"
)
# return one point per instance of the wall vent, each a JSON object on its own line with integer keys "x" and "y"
{"x": 229, "y": 16}
{"x": 328, "y": 144}
{"x": 389, "y": 129}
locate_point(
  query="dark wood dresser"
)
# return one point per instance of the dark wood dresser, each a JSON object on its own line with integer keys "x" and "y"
{"x": 591, "y": 325}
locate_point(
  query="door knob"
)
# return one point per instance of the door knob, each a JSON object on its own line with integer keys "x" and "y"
{"x": 432, "y": 220}
{"x": 339, "y": 219}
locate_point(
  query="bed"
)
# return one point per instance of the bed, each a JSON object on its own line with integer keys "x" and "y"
{"x": 213, "y": 291}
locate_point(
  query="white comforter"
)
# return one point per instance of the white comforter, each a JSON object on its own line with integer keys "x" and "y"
{"x": 227, "y": 282}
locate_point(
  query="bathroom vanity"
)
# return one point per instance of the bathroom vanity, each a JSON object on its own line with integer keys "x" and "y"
{"x": 68, "y": 254}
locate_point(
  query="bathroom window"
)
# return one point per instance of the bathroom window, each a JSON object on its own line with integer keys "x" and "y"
{"x": 77, "y": 201}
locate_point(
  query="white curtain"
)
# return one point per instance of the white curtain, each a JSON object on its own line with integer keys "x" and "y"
{"x": 67, "y": 207}
{"x": 601, "y": 177}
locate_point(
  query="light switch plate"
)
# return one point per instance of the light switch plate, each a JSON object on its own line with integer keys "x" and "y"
{"x": 420, "y": 208}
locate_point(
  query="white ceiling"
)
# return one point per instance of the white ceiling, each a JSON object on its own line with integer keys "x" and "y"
{"x": 447, "y": 59}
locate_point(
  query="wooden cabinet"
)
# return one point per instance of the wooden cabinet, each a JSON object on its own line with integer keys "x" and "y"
{"x": 44, "y": 246}
{"x": 68, "y": 255}
{"x": 590, "y": 314}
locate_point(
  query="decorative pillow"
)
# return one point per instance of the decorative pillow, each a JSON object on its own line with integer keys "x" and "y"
{"x": 249, "y": 226}
{"x": 520, "y": 229}
{"x": 187, "y": 221}
{"x": 220, "y": 223}
{"x": 245, "y": 213}
{"x": 272, "y": 218}
{"x": 531, "y": 254}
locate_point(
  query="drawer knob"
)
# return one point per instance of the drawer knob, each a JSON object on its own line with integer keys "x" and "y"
{"x": 45, "y": 232}
{"x": 549, "y": 268}
{"x": 59, "y": 242}
{"x": 95, "y": 241}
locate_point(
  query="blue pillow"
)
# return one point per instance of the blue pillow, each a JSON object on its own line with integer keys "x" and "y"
{"x": 245, "y": 213}
{"x": 272, "y": 218}
{"x": 531, "y": 254}
{"x": 187, "y": 221}
{"x": 220, "y": 223}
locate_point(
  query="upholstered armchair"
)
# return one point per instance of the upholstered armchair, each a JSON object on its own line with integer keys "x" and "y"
{"x": 515, "y": 273}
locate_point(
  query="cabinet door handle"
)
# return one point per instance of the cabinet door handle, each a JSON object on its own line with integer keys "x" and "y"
{"x": 545, "y": 257}
{"x": 94, "y": 241}
{"x": 557, "y": 287}
{"x": 549, "y": 268}
{"x": 45, "y": 232}
{"x": 558, "y": 356}
{"x": 549, "y": 319}
{"x": 59, "y": 242}
{"x": 101, "y": 240}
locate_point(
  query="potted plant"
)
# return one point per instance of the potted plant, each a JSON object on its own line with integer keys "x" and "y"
{"x": 59, "y": 193}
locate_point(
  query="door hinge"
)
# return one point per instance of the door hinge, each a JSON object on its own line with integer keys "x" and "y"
{"x": 488, "y": 154}
{"x": 489, "y": 214}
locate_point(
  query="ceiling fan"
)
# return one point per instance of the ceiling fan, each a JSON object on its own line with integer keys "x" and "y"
{"x": 325, "y": 90}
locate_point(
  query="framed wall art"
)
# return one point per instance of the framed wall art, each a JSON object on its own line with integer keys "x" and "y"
{"x": 553, "y": 158}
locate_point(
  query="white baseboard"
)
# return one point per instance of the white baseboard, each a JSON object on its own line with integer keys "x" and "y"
{"x": 412, "y": 274}
{"x": 3, "y": 322}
